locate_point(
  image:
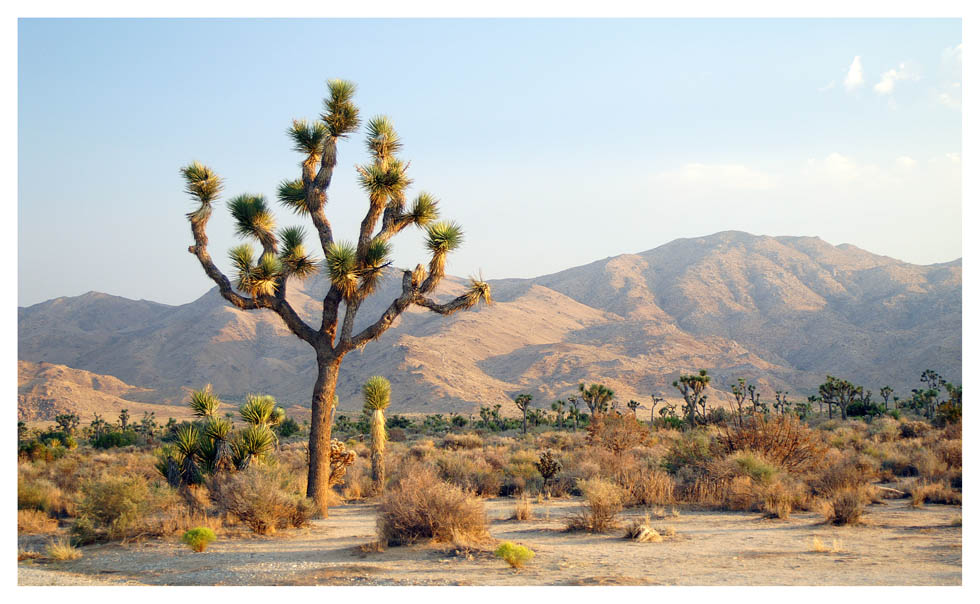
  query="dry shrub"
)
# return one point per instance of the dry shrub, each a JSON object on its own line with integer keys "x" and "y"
{"x": 470, "y": 473}
{"x": 950, "y": 452}
{"x": 31, "y": 522}
{"x": 357, "y": 481}
{"x": 639, "y": 530}
{"x": 914, "y": 429}
{"x": 455, "y": 442}
{"x": 778, "y": 502}
{"x": 782, "y": 439}
{"x": 422, "y": 449}
{"x": 643, "y": 482}
{"x": 523, "y": 511}
{"x": 618, "y": 433}
{"x": 42, "y": 494}
{"x": 264, "y": 499}
{"x": 845, "y": 473}
{"x": 934, "y": 493}
{"x": 421, "y": 506}
{"x": 817, "y": 545}
{"x": 604, "y": 500}
{"x": 62, "y": 550}
{"x": 114, "y": 507}
{"x": 846, "y": 506}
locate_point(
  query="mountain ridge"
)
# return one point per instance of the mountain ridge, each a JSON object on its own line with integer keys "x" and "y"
{"x": 784, "y": 311}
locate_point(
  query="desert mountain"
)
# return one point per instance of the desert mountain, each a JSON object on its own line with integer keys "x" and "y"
{"x": 781, "y": 311}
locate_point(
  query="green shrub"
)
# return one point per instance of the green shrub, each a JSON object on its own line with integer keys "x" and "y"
{"x": 114, "y": 507}
{"x": 755, "y": 468}
{"x": 515, "y": 555}
{"x": 198, "y": 538}
{"x": 693, "y": 449}
{"x": 108, "y": 440}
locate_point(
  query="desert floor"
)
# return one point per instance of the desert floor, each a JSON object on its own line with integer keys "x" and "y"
{"x": 897, "y": 545}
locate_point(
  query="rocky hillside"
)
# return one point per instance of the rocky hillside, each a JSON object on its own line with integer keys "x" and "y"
{"x": 782, "y": 311}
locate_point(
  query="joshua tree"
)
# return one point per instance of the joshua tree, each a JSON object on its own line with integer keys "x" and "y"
{"x": 782, "y": 404}
{"x": 692, "y": 389}
{"x": 656, "y": 401}
{"x": 559, "y": 408}
{"x": 840, "y": 393}
{"x": 741, "y": 392}
{"x": 377, "y": 396}
{"x": 932, "y": 379}
{"x": 67, "y": 422}
{"x": 633, "y": 406}
{"x": 522, "y": 401}
{"x": 573, "y": 411}
{"x": 123, "y": 418}
{"x": 596, "y": 397}
{"x": 886, "y": 393}
{"x": 355, "y": 268}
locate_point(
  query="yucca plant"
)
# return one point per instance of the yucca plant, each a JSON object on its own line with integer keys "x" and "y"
{"x": 377, "y": 397}
{"x": 254, "y": 442}
{"x": 204, "y": 403}
{"x": 354, "y": 268}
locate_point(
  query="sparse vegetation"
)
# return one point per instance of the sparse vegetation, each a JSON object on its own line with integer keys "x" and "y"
{"x": 61, "y": 550}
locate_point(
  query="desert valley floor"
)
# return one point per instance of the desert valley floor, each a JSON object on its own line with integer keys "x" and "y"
{"x": 897, "y": 545}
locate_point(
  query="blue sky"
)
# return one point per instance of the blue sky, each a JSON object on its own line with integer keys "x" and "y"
{"x": 554, "y": 142}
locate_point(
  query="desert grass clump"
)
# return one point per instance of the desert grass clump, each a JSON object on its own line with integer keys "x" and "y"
{"x": 934, "y": 492}
{"x": 513, "y": 554}
{"x": 639, "y": 530}
{"x": 62, "y": 550}
{"x": 846, "y": 506}
{"x": 604, "y": 501}
{"x": 198, "y": 538}
{"x": 523, "y": 511}
{"x": 32, "y": 522}
{"x": 455, "y": 442}
{"x": 421, "y": 507}
{"x": 818, "y": 546}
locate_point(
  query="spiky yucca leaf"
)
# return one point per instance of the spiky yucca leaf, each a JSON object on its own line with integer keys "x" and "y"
{"x": 242, "y": 257}
{"x": 204, "y": 403}
{"x": 264, "y": 275}
{"x": 217, "y": 428}
{"x": 259, "y": 409}
{"x": 307, "y": 137}
{"x": 254, "y": 441}
{"x": 340, "y": 114}
{"x": 252, "y": 217}
{"x": 442, "y": 238}
{"x": 425, "y": 209}
{"x": 377, "y": 393}
{"x": 382, "y": 140}
{"x": 292, "y": 195}
{"x": 203, "y": 184}
{"x": 341, "y": 265}
{"x": 187, "y": 440}
{"x": 384, "y": 181}
{"x": 478, "y": 289}
{"x": 295, "y": 261}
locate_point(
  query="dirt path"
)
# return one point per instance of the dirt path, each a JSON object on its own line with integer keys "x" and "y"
{"x": 898, "y": 546}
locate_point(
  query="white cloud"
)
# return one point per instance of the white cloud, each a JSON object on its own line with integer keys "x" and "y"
{"x": 906, "y": 162}
{"x": 953, "y": 56}
{"x": 887, "y": 83}
{"x": 716, "y": 177}
{"x": 831, "y": 84}
{"x": 855, "y": 75}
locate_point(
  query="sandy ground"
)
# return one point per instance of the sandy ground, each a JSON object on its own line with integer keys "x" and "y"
{"x": 897, "y": 546}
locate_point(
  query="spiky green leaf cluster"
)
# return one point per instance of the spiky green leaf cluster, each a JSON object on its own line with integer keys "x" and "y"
{"x": 257, "y": 279}
{"x": 375, "y": 262}
{"x": 307, "y": 136}
{"x": 261, "y": 410}
{"x": 340, "y": 114}
{"x": 254, "y": 441}
{"x": 204, "y": 403}
{"x": 377, "y": 393}
{"x": 203, "y": 184}
{"x": 187, "y": 440}
{"x": 292, "y": 195}
{"x": 384, "y": 181}
{"x": 341, "y": 263}
{"x": 252, "y": 217}
{"x": 295, "y": 261}
{"x": 443, "y": 237}
{"x": 382, "y": 140}
{"x": 217, "y": 428}
{"x": 425, "y": 209}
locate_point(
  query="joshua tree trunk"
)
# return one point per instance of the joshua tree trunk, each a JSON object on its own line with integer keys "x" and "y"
{"x": 318, "y": 478}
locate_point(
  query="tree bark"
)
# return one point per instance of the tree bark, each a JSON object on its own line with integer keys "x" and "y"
{"x": 318, "y": 480}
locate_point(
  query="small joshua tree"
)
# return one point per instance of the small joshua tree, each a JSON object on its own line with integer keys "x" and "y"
{"x": 523, "y": 401}
{"x": 573, "y": 412}
{"x": 596, "y": 397}
{"x": 840, "y": 393}
{"x": 67, "y": 423}
{"x": 559, "y": 408}
{"x": 123, "y": 418}
{"x": 692, "y": 388}
{"x": 355, "y": 268}
{"x": 633, "y": 406}
{"x": 377, "y": 397}
{"x": 548, "y": 466}
{"x": 657, "y": 399}
{"x": 886, "y": 393}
